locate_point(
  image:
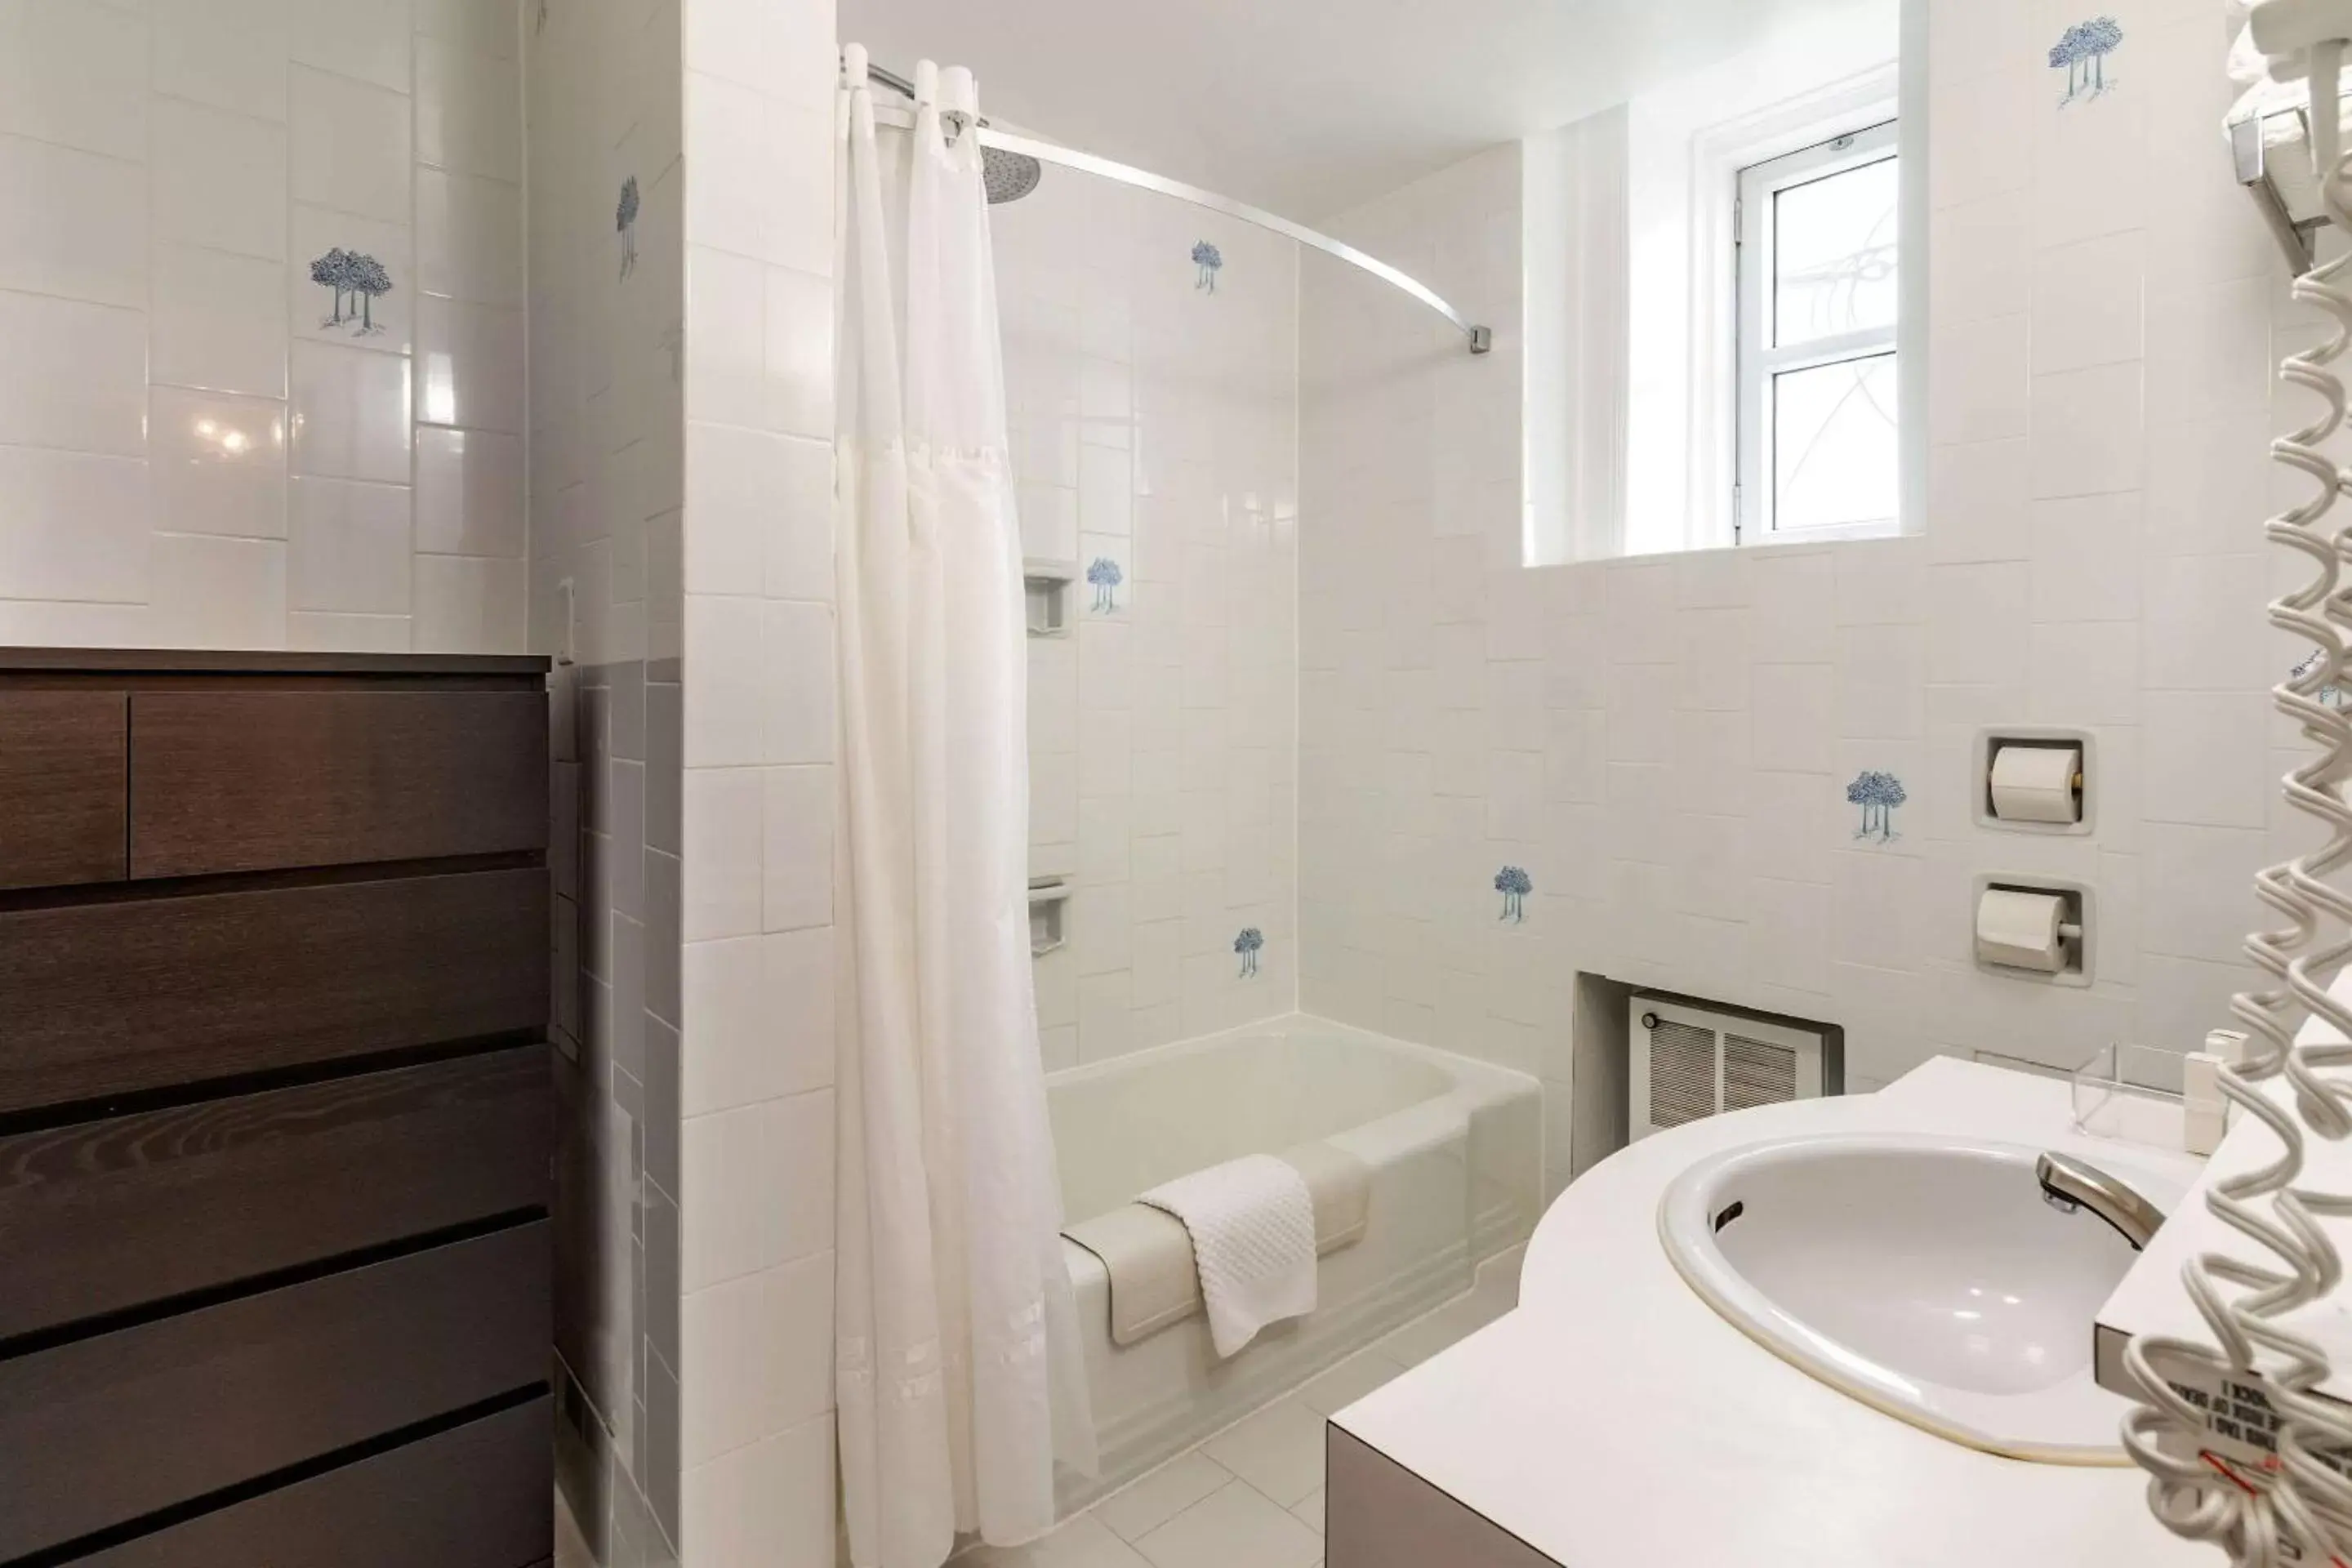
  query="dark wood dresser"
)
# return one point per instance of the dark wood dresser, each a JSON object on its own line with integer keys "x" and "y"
{"x": 275, "y": 1122}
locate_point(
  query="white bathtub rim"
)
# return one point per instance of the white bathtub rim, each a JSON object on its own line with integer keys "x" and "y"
{"x": 1423, "y": 1124}
{"x": 1497, "y": 1078}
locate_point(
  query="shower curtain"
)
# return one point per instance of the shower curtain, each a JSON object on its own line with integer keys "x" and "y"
{"x": 957, "y": 1370}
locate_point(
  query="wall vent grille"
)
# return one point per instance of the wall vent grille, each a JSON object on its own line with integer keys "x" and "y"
{"x": 1681, "y": 1074}
{"x": 1692, "y": 1061}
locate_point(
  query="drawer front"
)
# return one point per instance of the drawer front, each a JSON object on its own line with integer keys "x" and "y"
{"x": 479, "y": 1496}
{"x": 105, "y": 998}
{"x": 106, "y": 1430}
{"x": 244, "y": 781}
{"x": 105, "y": 1215}
{"x": 62, "y": 795}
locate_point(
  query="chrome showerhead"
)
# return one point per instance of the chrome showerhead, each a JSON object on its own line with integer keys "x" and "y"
{"x": 1009, "y": 175}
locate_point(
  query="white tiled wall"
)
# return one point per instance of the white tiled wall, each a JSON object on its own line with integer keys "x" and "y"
{"x": 1416, "y": 752}
{"x": 606, "y": 463}
{"x": 1155, "y": 428}
{"x": 756, "y": 745}
{"x": 1664, "y": 743}
{"x": 193, "y": 450}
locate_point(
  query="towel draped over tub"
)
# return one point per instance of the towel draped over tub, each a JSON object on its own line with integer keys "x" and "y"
{"x": 1148, "y": 1254}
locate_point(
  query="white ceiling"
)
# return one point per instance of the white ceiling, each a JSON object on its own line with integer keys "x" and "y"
{"x": 1308, "y": 107}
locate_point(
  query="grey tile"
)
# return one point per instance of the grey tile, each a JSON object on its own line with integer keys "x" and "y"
{"x": 664, "y": 765}
{"x": 663, "y": 937}
{"x": 1081, "y": 1543}
{"x": 661, "y": 1117}
{"x": 662, "y": 1472}
{"x": 1234, "y": 1527}
{"x": 662, "y": 1273}
{"x": 633, "y": 1526}
{"x": 582, "y": 1461}
{"x": 629, "y": 1017}
{"x": 623, "y": 823}
{"x": 563, "y": 827}
{"x": 628, "y": 710}
{"x": 1148, "y": 1503}
{"x": 572, "y": 1549}
{"x": 1279, "y": 1450}
{"x": 563, "y": 971}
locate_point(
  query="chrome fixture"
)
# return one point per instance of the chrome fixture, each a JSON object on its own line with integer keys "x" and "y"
{"x": 1009, "y": 176}
{"x": 1014, "y": 181}
{"x": 2069, "y": 1185}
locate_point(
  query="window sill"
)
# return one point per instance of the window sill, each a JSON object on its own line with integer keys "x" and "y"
{"x": 1793, "y": 542}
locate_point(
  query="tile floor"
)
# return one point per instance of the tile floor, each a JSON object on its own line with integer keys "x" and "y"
{"x": 570, "y": 1551}
{"x": 1249, "y": 1497}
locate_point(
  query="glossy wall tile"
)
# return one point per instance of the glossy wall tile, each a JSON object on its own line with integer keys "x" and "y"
{"x": 1743, "y": 775}
{"x": 258, "y": 245}
{"x": 751, "y": 564}
{"x": 1154, "y": 434}
{"x": 594, "y": 437}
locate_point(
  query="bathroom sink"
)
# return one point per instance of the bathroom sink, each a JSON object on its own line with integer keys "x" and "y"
{"x": 1927, "y": 1277}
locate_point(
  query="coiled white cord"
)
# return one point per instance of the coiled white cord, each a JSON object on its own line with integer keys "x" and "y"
{"x": 2296, "y": 1508}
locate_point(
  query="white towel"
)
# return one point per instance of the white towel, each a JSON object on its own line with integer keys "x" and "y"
{"x": 1253, "y": 1227}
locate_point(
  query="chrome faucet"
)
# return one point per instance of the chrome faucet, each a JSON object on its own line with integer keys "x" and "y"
{"x": 2068, "y": 1184}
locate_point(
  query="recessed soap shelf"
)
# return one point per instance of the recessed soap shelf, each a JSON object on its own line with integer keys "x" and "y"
{"x": 1047, "y": 592}
{"x": 1049, "y": 902}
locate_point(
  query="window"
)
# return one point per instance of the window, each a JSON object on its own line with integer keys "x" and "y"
{"x": 1819, "y": 455}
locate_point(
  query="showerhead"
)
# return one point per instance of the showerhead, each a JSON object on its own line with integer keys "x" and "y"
{"x": 1009, "y": 175}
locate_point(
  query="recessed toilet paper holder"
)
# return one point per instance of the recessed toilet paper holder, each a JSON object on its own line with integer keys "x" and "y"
{"x": 2042, "y": 811}
{"x": 2062, "y": 912}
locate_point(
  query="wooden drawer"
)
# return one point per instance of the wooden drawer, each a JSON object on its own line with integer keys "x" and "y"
{"x": 244, "y": 781}
{"x": 105, "y": 1430}
{"x": 61, "y": 787}
{"x": 104, "y": 1216}
{"x": 478, "y": 1496}
{"x": 106, "y": 998}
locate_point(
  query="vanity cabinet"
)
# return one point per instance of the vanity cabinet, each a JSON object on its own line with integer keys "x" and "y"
{"x": 1377, "y": 1514}
{"x": 275, "y": 1110}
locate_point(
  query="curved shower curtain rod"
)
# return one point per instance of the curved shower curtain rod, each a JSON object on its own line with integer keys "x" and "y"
{"x": 1480, "y": 339}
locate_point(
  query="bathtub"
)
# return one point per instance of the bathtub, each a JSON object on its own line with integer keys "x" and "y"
{"x": 1455, "y": 1151}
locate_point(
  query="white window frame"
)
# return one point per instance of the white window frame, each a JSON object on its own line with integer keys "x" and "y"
{"x": 1753, "y": 500}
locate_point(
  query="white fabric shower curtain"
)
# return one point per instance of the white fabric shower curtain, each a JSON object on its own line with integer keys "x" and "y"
{"x": 958, "y": 1369}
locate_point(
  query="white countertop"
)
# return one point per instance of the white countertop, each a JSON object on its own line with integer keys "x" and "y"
{"x": 2150, "y": 1299}
{"x": 1615, "y": 1421}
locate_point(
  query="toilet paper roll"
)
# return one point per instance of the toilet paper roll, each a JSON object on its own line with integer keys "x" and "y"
{"x": 2020, "y": 929}
{"x": 2036, "y": 784}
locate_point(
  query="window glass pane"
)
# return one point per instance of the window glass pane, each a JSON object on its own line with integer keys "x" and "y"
{"x": 1833, "y": 254}
{"x": 1833, "y": 450}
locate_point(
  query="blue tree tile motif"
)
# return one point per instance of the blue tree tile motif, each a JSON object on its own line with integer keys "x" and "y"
{"x": 1878, "y": 794}
{"x": 1210, "y": 260}
{"x": 2329, "y": 694}
{"x": 360, "y": 277}
{"x": 1105, "y": 574}
{"x": 2084, "y": 49}
{"x": 1515, "y": 885}
{"x": 625, "y": 219}
{"x": 1247, "y": 944}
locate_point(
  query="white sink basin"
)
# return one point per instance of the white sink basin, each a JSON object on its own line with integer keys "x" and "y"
{"x": 1927, "y": 1277}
